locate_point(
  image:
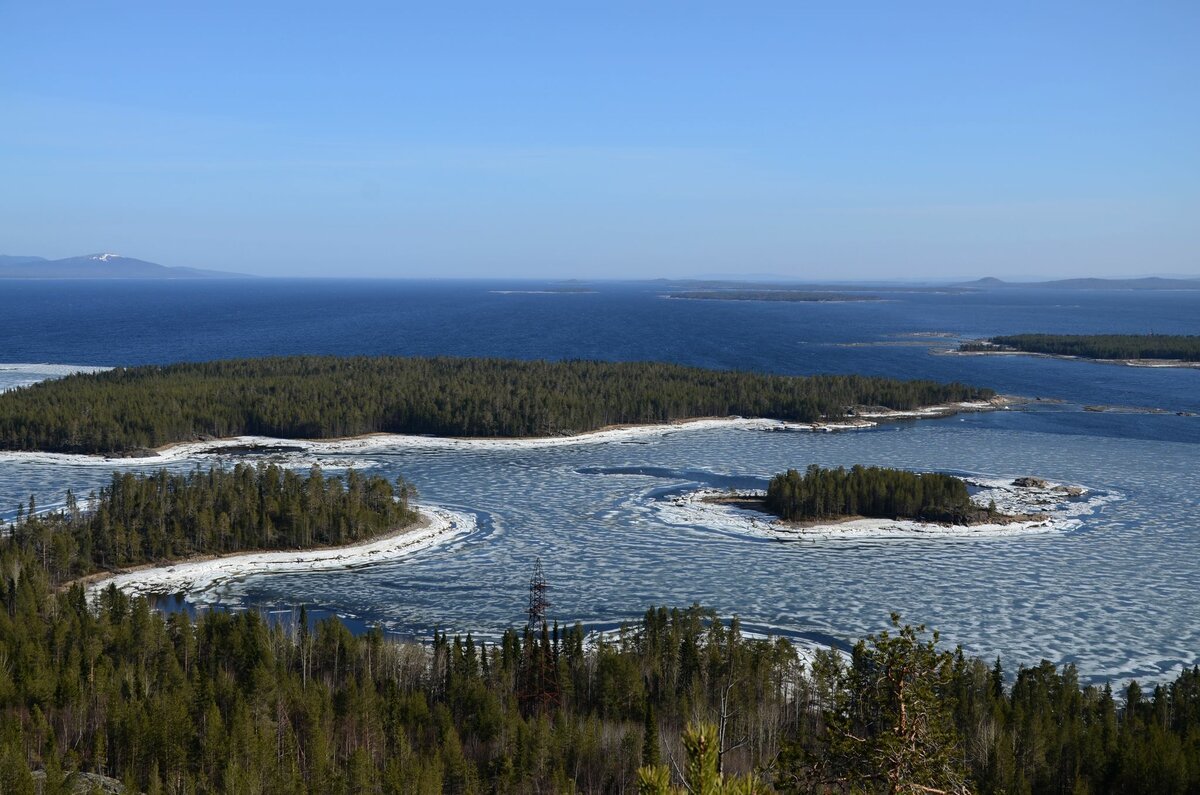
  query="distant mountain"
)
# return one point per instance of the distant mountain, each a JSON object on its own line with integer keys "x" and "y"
{"x": 98, "y": 266}
{"x": 1148, "y": 283}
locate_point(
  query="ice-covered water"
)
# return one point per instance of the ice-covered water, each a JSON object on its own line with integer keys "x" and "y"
{"x": 1117, "y": 595}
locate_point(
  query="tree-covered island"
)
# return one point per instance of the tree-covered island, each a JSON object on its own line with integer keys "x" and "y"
{"x": 133, "y": 409}
{"x": 875, "y": 492}
{"x": 1094, "y": 346}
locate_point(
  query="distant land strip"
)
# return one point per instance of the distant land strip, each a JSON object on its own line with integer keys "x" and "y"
{"x": 133, "y": 410}
{"x": 1094, "y": 346}
{"x": 799, "y": 296}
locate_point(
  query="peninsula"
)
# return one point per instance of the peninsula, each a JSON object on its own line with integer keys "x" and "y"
{"x": 164, "y": 517}
{"x": 132, "y": 411}
{"x": 1134, "y": 349}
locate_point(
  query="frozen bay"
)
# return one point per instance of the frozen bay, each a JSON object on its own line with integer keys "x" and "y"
{"x": 1116, "y": 595}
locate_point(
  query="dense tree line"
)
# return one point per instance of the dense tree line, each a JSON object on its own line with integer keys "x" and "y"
{"x": 1100, "y": 346}
{"x": 871, "y": 491}
{"x": 165, "y": 516}
{"x": 307, "y": 397}
{"x": 229, "y": 702}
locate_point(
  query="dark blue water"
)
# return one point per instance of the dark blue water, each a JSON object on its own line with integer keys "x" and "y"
{"x": 114, "y": 323}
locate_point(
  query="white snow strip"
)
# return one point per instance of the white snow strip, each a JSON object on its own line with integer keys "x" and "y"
{"x": 50, "y": 369}
{"x": 382, "y": 442}
{"x": 930, "y": 411}
{"x": 441, "y": 525}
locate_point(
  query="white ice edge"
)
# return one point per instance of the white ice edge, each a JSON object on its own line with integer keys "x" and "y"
{"x": 1062, "y": 515}
{"x": 382, "y": 442}
{"x": 17, "y": 374}
{"x": 48, "y": 369}
{"x": 442, "y": 525}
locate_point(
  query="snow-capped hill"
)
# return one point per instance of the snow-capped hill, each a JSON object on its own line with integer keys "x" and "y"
{"x": 99, "y": 266}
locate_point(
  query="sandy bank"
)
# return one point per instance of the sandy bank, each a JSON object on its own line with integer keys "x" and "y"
{"x": 436, "y": 526}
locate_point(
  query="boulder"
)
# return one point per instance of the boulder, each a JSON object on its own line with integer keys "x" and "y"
{"x": 1030, "y": 483}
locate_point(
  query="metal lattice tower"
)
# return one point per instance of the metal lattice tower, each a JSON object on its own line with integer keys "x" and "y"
{"x": 538, "y": 600}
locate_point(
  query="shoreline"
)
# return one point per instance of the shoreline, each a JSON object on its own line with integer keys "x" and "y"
{"x": 1163, "y": 364}
{"x": 1052, "y": 508}
{"x": 861, "y": 417}
{"x": 757, "y": 503}
{"x": 203, "y": 573}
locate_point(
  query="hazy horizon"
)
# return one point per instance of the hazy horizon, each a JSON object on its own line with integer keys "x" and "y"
{"x": 935, "y": 142}
{"x": 743, "y": 278}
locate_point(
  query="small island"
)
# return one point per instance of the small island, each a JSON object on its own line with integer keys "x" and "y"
{"x": 1145, "y": 350}
{"x": 873, "y": 503}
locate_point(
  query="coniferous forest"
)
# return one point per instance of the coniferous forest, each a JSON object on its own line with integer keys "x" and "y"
{"x": 678, "y": 701}
{"x": 870, "y": 491}
{"x": 307, "y": 397}
{"x": 1100, "y": 346}
{"x": 162, "y": 517}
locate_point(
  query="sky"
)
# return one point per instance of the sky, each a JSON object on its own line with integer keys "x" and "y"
{"x": 814, "y": 141}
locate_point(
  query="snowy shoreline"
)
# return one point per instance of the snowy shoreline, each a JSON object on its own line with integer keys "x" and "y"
{"x": 438, "y": 525}
{"x": 1059, "y": 512}
{"x": 1151, "y": 363}
{"x": 863, "y": 417}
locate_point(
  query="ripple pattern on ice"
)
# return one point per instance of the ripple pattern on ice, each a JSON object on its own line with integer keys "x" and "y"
{"x": 1116, "y": 596}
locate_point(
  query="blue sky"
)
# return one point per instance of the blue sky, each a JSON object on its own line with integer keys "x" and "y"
{"x": 815, "y": 141}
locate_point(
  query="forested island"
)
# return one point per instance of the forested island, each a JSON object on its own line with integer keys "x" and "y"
{"x": 135, "y": 409}
{"x": 1094, "y": 346}
{"x": 875, "y": 492}
{"x": 116, "y": 694}
{"x": 797, "y": 296}
{"x": 165, "y": 517}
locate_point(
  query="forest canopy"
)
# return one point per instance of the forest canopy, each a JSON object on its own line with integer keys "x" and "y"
{"x": 307, "y": 397}
{"x": 1098, "y": 346}
{"x": 231, "y": 702}
{"x": 870, "y": 491}
{"x": 166, "y": 516}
